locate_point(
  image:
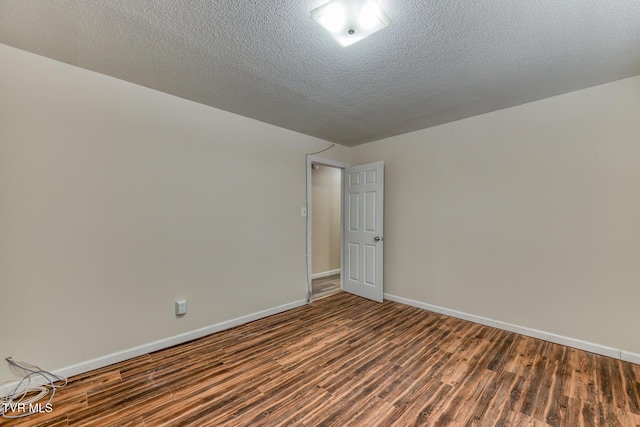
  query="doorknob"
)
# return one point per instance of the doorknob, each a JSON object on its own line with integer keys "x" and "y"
{"x": 378, "y": 238}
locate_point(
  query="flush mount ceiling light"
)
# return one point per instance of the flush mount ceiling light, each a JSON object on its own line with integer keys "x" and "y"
{"x": 350, "y": 21}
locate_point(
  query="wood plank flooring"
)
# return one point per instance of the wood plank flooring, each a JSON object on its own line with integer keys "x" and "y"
{"x": 346, "y": 361}
{"x": 325, "y": 286}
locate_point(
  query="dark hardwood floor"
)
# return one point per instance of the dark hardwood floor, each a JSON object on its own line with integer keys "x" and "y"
{"x": 346, "y": 361}
{"x": 325, "y": 286}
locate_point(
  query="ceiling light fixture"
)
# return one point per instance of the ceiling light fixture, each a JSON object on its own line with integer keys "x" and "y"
{"x": 350, "y": 21}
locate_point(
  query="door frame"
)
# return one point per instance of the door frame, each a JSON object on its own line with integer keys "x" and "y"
{"x": 309, "y": 205}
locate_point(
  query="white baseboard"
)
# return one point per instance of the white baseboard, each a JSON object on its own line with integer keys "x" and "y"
{"x": 546, "y": 336}
{"x": 120, "y": 356}
{"x": 110, "y": 359}
{"x": 630, "y": 357}
{"x": 325, "y": 274}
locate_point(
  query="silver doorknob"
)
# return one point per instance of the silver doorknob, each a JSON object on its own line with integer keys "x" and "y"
{"x": 377, "y": 238}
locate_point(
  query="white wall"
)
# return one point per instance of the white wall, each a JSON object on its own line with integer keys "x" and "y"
{"x": 115, "y": 200}
{"x": 326, "y": 206}
{"x": 529, "y": 215}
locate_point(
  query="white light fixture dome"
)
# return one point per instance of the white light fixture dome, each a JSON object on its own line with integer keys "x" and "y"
{"x": 350, "y": 21}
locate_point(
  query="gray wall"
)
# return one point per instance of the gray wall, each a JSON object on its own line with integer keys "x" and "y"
{"x": 529, "y": 215}
{"x": 116, "y": 199}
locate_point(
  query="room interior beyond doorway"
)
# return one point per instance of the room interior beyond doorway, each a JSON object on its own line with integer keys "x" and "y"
{"x": 326, "y": 229}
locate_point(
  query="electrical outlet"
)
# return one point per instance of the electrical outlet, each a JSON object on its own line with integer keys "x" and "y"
{"x": 181, "y": 307}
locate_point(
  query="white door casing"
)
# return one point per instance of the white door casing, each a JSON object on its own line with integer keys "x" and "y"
{"x": 363, "y": 241}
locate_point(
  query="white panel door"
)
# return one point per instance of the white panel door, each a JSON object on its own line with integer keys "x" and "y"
{"x": 363, "y": 238}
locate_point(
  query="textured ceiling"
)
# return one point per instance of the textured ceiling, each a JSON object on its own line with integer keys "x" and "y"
{"x": 439, "y": 61}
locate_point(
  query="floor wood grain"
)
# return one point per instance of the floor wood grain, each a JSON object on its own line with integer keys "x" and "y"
{"x": 325, "y": 286}
{"x": 346, "y": 361}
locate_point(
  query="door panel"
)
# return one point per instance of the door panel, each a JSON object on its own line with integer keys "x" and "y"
{"x": 354, "y": 212}
{"x": 352, "y": 266}
{"x": 363, "y": 237}
{"x": 370, "y": 211}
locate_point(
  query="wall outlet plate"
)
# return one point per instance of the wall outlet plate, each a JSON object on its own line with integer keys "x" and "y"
{"x": 181, "y": 307}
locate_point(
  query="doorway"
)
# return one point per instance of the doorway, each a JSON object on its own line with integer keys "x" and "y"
{"x": 327, "y": 176}
{"x": 360, "y": 228}
{"x": 326, "y": 229}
